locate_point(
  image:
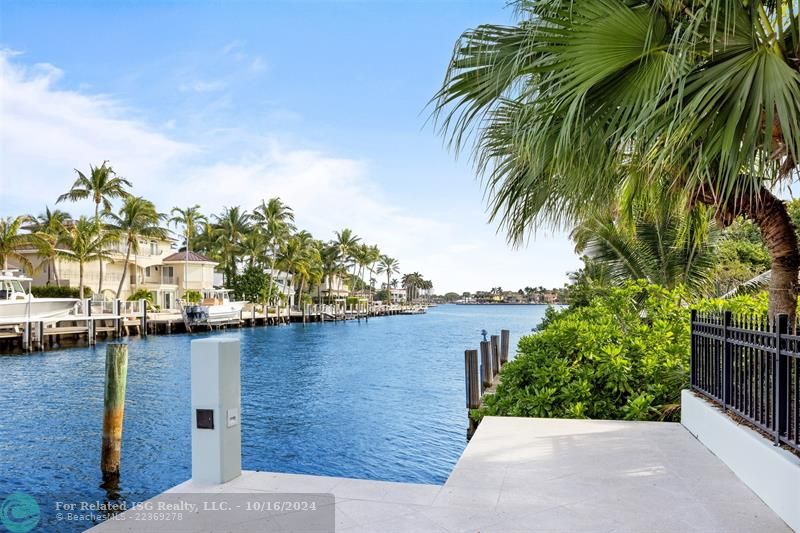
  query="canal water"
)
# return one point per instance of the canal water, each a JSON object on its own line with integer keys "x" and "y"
{"x": 382, "y": 400}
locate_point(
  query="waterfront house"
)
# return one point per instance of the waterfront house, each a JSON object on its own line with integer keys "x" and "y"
{"x": 334, "y": 288}
{"x": 285, "y": 285}
{"x": 156, "y": 268}
{"x": 398, "y": 296}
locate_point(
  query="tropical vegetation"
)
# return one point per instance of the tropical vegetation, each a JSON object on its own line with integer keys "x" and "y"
{"x": 657, "y": 133}
{"x": 584, "y": 102}
{"x": 261, "y": 253}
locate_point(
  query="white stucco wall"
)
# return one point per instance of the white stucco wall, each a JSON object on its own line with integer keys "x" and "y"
{"x": 771, "y": 472}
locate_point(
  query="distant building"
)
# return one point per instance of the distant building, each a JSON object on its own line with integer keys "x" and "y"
{"x": 156, "y": 268}
{"x": 338, "y": 288}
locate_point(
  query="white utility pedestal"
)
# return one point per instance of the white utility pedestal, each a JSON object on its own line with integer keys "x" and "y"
{"x": 216, "y": 407}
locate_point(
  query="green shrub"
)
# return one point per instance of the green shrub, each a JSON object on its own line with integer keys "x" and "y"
{"x": 193, "y": 297}
{"x": 623, "y": 356}
{"x": 141, "y": 294}
{"x": 744, "y": 305}
{"x": 55, "y": 291}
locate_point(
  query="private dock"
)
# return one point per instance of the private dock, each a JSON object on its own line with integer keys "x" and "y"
{"x": 95, "y": 320}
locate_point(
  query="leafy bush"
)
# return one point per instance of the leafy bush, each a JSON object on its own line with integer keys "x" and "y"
{"x": 193, "y": 297}
{"x": 743, "y": 305}
{"x": 141, "y": 294}
{"x": 253, "y": 285}
{"x": 55, "y": 291}
{"x": 623, "y": 356}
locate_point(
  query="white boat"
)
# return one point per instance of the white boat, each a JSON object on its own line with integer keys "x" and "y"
{"x": 215, "y": 307}
{"x": 18, "y": 305}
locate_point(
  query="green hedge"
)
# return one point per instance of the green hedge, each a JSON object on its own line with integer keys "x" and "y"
{"x": 624, "y": 355}
{"x": 54, "y": 291}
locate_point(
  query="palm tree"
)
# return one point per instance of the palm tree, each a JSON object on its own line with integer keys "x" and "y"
{"x": 582, "y": 96}
{"x": 207, "y": 241}
{"x": 85, "y": 241}
{"x": 101, "y": 185}
{"x": 412, "y": 283}
{"x": 190, "y": 218}
{"x": 254, "y": 247}
{"x": 277, "y": 221}
{"x": 230, "y": 228}
{"x": 296, "y": 257}
{"x": 389, "y": 266}
{"x": 346, "y": 241}
{"x": 50, "y": 225}
{"x": 137, "y": 218}
{"x": 662, "y": 244}
{"x": 331, "y": 264}
{"x": 12, "y": 241}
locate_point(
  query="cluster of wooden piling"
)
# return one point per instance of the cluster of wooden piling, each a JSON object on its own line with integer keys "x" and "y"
{"x": 482, "y": 374}
{"x": 121, "y": 319}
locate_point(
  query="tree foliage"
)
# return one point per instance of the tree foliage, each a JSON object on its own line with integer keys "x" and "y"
{"x": 625, "y": 355}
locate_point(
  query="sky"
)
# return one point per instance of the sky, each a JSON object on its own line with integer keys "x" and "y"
{"x": 321, "y": 103}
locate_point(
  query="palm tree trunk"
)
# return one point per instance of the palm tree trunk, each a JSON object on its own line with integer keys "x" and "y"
{"x": 124, "y": 269}
{"x": 779, "y": 235}
{"x": 185, "y": 264}
{"x": 97, "y": 221}
{"x": 769, "y": 213}
{"x": 80, "y": 279}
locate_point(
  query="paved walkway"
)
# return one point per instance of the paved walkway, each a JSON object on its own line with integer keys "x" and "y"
{"x": 521, "y": 474}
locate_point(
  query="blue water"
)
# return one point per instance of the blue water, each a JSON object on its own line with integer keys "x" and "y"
{"x": 381, "y": 400}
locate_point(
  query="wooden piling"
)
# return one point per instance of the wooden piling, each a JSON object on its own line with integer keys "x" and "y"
{"x": 486, "y": 365}
{"x": 117, "y": 311}
{"x": 472, "y": 379}
{"x": 113, "y": 409}
{"x": 504, "y": 340}
{"x": 495, "y": 341}
{"x": 90, "y": 331}
{"x": 143, "y": 319}
{"x": 40, "y": 335}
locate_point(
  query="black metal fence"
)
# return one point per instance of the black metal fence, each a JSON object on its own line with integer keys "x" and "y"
{"x": 750, "y": 366}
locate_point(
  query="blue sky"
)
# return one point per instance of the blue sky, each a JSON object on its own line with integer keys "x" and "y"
{"x": 223, "y": 103}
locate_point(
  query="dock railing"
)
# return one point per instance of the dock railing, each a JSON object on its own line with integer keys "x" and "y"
{"x": 750, "y": 366}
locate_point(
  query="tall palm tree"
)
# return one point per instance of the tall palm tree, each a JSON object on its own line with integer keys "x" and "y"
{"x": 297, "y": 257}
{"x": 137, "y": 218}
{"x": 583, "y": 95}
{"x": 389, "y": 266}
{"x": 12, "y": 241}
{"x": 85, "y": 241}
{"x": 277, "y": 221}
{"x": 331, "y": 264}
{"x": 101, "y": 185}
{"x": 412, "y": 283}
{"x": 50, "y": 225}
{"x": 254, "y": 248}
{"x": 346, "y": 241}
{"x": 190, "y": 219}
{"x": 206, "y": 241}
{"x": 230, "y": 228}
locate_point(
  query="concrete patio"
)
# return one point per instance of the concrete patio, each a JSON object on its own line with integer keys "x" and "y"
{"x": 523, "y": 474}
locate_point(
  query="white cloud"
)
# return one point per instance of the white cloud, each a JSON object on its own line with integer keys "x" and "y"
{"x": 45, "y": 132}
